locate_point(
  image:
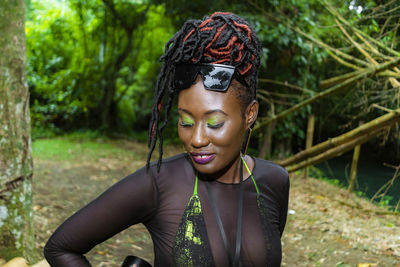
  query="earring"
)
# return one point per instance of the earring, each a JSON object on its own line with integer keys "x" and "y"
{"x": 248, "y": 140}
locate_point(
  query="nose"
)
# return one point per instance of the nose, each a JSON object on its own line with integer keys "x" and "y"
{"x": 199, "y": 136}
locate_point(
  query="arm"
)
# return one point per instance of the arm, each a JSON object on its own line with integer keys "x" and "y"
{"x": 130, "y": 201}
{"x": 284, "y": 204}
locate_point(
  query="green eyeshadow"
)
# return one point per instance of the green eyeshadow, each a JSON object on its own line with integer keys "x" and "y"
{"x": 214, "y": 122}
{"x": 186, "y": 120}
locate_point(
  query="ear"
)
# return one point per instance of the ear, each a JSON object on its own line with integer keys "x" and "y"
{"x": 251, "y": 114}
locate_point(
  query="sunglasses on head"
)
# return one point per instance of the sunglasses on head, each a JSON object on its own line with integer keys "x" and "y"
{"x": 216, "y": 77}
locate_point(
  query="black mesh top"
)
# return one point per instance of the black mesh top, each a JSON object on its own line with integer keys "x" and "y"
{"x": 159, "y": 200}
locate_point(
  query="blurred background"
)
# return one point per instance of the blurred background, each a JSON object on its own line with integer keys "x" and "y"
{"x": 329, "y": 95}
{"x": 92, "y": 66}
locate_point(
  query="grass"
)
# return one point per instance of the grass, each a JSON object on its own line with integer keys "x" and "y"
{"x": 90, "y": 146}
{"x": 63, "y": 149}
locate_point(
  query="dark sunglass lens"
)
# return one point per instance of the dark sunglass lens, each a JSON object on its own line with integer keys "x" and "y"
{"x": 216, "y": 78}
{"x": 184, "y": 76}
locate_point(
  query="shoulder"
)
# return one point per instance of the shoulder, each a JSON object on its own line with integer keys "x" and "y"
{"x": 169, "y": 163}
{"x": 151, "y": 173}
{"x": 272, "y": 174}
{"x": 173, "y": 169}
{"x": 270, "y": 168}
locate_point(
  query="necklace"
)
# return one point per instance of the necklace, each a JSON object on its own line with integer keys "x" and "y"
{"x": 235, "y": 260}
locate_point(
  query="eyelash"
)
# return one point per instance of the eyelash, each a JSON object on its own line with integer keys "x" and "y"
{"x": 185, "y": 124}
{"x": 216, "y": 126}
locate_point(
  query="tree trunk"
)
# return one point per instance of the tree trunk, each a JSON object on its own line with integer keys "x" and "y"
{"x": 107, "y": 103}
{"x": 16, "y": 213}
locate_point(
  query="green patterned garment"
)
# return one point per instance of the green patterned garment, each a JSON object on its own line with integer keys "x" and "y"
{"x": 191, "y": 246}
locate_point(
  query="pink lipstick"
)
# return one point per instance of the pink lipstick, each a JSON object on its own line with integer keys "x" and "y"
{"x": 202, "y": 158}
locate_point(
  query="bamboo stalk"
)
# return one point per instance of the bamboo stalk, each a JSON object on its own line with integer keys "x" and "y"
{"x": 332, "y": 90}
{"x": 309, "y": 140}
{"x": 370, "y": 46}
{"x": 383, "y": 108}
{"x": 357, "y": 45}
{"x": 328, "y": 47}
{"x": 268, "y": 94}
{"x": 265, "y": 151}
{"x": 263, "y": 98}
{"x": 378, "y": 123}
{"x": 393, "y": 81}
{"x": 363, "y": 36}
{"x": 389, "y": 73}
{"x": 344, "y": 63}
{"x": 334, "y": 152}
{"x": 338, "y": 79}
{"x": 336, "y": 14}
{"x": 286, "y": 84}
{"x": 353, "y": 172}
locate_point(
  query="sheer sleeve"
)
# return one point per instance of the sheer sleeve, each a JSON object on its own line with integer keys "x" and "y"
{"x": 130, "y": 201}
{"x": 284, "y": 203}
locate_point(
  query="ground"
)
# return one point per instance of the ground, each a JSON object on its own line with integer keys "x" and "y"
{"x": 326, "y": 226}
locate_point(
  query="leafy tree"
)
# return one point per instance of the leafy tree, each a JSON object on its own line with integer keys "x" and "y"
{"x": 89, "y": 59}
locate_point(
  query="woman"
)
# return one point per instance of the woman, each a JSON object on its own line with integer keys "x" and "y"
{"x": 210, "y": 206}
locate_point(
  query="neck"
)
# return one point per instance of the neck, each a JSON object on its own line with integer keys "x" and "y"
{"x": 230, "y": 174}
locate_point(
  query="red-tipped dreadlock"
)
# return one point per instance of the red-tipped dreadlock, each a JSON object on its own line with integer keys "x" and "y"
{"x": 223, "y": 54}
{"x": 222, "y": 38}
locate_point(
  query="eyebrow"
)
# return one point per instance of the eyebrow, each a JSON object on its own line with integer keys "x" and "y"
{"x": 208, "y": 112}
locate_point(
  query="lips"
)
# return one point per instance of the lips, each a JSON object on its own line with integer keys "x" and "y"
{"x": 202, "y": 158}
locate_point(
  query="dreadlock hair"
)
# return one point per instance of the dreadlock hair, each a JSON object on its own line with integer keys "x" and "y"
{"x": 222, "y": 38}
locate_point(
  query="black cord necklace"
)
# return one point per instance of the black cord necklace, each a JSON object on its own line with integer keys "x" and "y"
{"x": 235, "y": 260}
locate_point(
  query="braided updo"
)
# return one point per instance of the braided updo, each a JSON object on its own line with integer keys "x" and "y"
{"x": 222, "y": 38}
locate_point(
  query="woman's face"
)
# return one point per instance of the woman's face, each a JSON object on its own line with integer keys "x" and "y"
{"x": 212, "y": 128}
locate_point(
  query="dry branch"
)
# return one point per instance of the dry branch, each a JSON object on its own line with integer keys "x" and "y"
{"x": 335, "y": 152}
{"x": 393, "y": 81}
{"x": 286, "y": 84}
{"x": 376, "y": 124}
{"x": 338, "y": 79}
{"x": 357, "y": 45}
{"x": 372, "y": 40}
{"x": 330, "y": 48}
{"x": 332, "y": 90}
{"x": 343, "y": 62}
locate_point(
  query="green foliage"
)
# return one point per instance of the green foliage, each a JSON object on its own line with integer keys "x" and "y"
{"x": 73, "y": 48}
{"x": 385, "y": 201}
{"x": 76, "y": 55}
{"x": 320, "y": 175}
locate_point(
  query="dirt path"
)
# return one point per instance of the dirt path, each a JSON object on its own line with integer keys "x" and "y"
{"x": 321, "y": 230}
{"x": 329, "y": 227}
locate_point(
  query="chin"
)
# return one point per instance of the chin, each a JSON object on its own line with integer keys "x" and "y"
{"x": 203, "y": 168}
{"x": 207, "y": 169}
{"x": 212, "y": 169}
